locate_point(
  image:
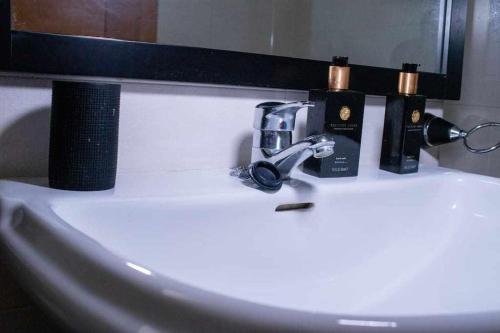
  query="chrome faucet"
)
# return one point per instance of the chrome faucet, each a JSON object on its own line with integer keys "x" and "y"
{"x": 272, "y": 137}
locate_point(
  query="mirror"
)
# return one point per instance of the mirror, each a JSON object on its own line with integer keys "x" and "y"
{"x": 381, "y": 33}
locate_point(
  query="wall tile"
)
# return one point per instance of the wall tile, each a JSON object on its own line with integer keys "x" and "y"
{"x": 175, "y": 128}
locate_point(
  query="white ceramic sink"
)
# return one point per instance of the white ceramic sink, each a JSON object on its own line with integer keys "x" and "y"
{"x": 198, "y": 251}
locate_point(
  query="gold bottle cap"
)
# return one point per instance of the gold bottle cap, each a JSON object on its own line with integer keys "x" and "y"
{"x": 408, "y": 79}
{"x": 338, "y": 75}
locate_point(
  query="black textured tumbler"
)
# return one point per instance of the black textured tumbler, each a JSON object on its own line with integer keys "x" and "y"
{"x": 83, "y": 136}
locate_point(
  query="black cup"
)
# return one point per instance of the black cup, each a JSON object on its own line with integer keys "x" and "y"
{"x": 83, "y": 136}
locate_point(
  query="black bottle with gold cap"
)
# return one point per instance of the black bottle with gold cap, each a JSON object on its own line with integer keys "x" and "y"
{"x": 403, "y": 125}
{"x": 338, "y": 112}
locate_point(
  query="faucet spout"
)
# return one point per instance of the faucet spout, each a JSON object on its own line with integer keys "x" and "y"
{"x": 272, "y": 138}
{"x": 286, "y": 160}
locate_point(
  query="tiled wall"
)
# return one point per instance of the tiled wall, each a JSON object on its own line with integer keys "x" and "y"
{"x": 480, "y": 100}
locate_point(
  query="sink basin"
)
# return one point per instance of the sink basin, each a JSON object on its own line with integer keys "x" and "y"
{"x": 199, "y": 251}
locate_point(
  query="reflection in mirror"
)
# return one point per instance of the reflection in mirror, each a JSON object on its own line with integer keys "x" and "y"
{"x": 381, "y": 33}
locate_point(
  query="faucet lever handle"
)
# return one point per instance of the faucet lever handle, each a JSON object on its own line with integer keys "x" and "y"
{"x": 291, "y": 109}
{"x": 275, "y": 116}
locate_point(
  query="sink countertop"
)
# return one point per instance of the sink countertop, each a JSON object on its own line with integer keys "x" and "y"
{"x": 197, "y": 250}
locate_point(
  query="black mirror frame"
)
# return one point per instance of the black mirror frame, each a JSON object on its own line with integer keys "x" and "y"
{"x": 50, "y": 54}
